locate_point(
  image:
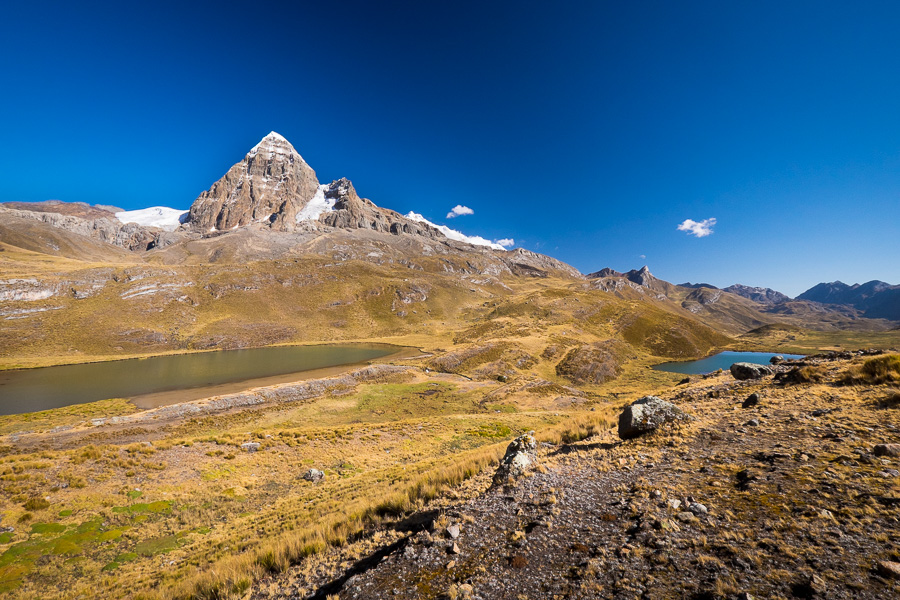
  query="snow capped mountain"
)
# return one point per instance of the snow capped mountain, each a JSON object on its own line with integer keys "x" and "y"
{"x": 168, "y": 219}
{"x": 271, "y": 185}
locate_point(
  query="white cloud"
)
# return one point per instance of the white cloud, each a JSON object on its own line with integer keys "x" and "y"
{"x": 701, "y": 229}
{"x": 642, "y": 256}
{"x": 458, "y": 235}
{"x": 507, "y": 242}
{"x": 460, "y": 210}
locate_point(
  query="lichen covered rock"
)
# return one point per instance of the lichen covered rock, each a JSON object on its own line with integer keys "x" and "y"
{"x": 519, "y": 458}
{"x": 646, "y": 414}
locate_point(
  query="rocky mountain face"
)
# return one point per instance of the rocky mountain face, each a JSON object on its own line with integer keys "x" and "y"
{"x": 757, "y": 294}
{"x": 271, "y": 185}
{"x": 352, "y": 212}
{"x": 876, "y": 299}
{"x": 87, "y": 221}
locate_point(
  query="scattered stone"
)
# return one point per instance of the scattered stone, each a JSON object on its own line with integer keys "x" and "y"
{"x": 250, "y": 446}
{"x": 888, "y": 569}
{"x": 451, "y": 564}
{"x": 674, "y": 504}
{"x": 453, "y": 531}
{"x": 886, "y": 450}
{"x": 698, "y": 509}
{"x": 809, "y": 587}
{"x": 519, "y": 458}
{"x": 687, "y": 517}
{"x": 646, "y": 414}
{"x": 745, "y": 370}
{"x": 684, "y": 381}
{"x": 775, "y": 360}
{"x": 888, "y": 473}
{"x": 466, "y": 590}
{"x": 454, "y": 548}
{"x": 752, "y": 423}
{"x": 751, "y": 401}
{"x": 313, "y": 475}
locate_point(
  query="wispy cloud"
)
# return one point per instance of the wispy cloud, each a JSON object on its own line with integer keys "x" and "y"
{"x": 698, "y": 229}
{"x": 459, "y": 210}
{"x": 460, "y": 236}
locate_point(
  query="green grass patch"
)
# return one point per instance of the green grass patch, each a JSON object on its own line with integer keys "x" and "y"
{"x": 157, "y": 545}
{"x": 47, "y": 528}
{"x": 160, "y": 506}
{"x": 491, "y": 430}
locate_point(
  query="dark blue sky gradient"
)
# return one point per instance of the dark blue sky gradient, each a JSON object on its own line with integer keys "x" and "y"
{"x": 584, "y": 130}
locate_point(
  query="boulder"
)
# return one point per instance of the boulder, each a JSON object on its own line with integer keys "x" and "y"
{"x": 751, "y": 401}
{"x": 250, "y": 446}
{"x": 745, "y": 370}
{"x": 313, "y": 475}
{"x": 645, "y": 415}
{"x": 519, "y": 458}
{"x": 776, "y": 360}
{"x": 886, "y": 450}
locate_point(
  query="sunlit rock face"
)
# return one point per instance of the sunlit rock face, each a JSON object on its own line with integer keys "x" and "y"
{"x": 271, "y": 185}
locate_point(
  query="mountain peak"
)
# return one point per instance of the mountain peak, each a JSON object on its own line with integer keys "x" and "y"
{"x": 274, "y": 144}
{"x": 269, "y": 186}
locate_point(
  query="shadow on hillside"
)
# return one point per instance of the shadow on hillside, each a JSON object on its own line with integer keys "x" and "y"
{"x": 570, "y": 448}
{"x": 412, "y": 525}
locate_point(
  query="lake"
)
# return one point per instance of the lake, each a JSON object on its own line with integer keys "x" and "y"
{"x": 722, "y": 360}
{"x": 161, "y": 380}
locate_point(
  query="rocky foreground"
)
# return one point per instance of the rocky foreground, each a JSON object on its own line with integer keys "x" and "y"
{"x": 747, "y": 489}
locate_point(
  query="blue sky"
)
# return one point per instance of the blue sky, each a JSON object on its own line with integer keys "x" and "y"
{"x": 584, "y": 130}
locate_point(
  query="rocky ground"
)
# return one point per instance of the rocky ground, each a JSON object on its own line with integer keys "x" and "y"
{"x": 796, "y": 495}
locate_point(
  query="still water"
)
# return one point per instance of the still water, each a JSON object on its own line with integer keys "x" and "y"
{"x": 31, "y": 390}
{"x": 722, "y": 360}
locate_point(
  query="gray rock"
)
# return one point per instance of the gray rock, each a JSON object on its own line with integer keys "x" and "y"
{"x": 520, "y": 457}
{"x": 313, "y": 475}
{"x": 453, "y": 531}
{"x": 745, "y": 370}
{"x": 646, "y": 414}
{"x": 775, "y": 360}
{"x": 698, "y": 509}
{"x": 250, "y": 446}
{"x": 751, "y": 401}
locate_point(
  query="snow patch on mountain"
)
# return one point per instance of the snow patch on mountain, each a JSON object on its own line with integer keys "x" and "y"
{"x": 274, "y": 143}
{"x": 458, "y": 235}
{"x": 157, "y": 216}
{"x": 318, "y": 205}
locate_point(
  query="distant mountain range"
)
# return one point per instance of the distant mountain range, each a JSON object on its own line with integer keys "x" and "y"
{"x": 874, "y": 299}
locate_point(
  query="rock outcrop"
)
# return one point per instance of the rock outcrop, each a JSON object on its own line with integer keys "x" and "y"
{"x": 647, "y": 414}
{"x": 271, "y": 185}
{"x": 352, "y": 212}
{"x": 745, "y": 370}
{"x": 105, "y": 228}
{"x": 519, "y": 458}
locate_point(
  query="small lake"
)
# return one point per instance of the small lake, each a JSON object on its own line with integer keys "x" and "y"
{"x": 161, "y": 380}
{"x": 722, "y": 360}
